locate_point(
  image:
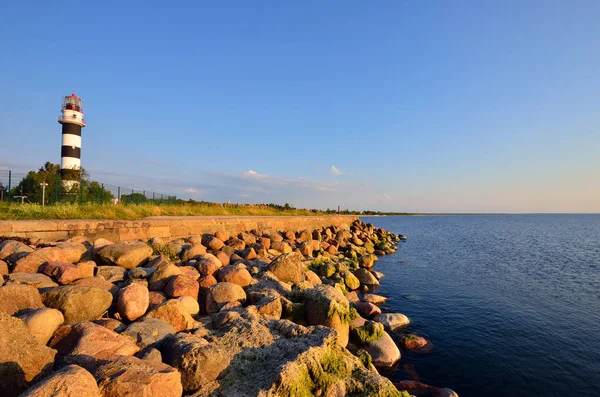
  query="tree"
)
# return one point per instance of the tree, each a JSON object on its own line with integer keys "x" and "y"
{"x": 56, "y": 190}
{"x": 133, "y": 198}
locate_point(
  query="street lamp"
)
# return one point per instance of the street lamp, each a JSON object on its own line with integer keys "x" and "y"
{"x": 43, "y": 185}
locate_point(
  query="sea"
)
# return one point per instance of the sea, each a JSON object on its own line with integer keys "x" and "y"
{"x": 511, "y": 303}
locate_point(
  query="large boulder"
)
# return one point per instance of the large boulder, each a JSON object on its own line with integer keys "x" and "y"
{"x": 208, "y": 264}
{"x": 280, "y": 247}
{"x": 127, "y": 254}
{"x": 309, "y": 246}
{"x": 98, "y": 282}
{"x": 86, "y": 268}
{"x": 304, "y": 235}
{"x": 237, "y": 274}
{"x": 422, "y": 390}
{"x": 198, "y": 361}
{"x": 236, "y": 243}
{"x": 42, "y": 322}
{"x": 173, "y": 312}
{"x": 85, "y": 340}
{"x": 69, "y": 381}
{"x": 307, "y": 359}
{"x": 326, "y": 305}
{"x": 223, "y": 257}
{"x": 367, "y": 309}
{"x": 350, "y": 280}
{"x": 133, "y": 302}
{"x": 414, "y": 342}
{"x": 78, "y": 303}
{"x": 288, "y": 267}
{"x": 212, "y": 242}
{"x": 98, "y": 244}
{"x": 111, "y": 324}
{"x": 131, "y": 376}
{"x": 149, "y": 331}
{"x": 222, "y": 235}
{"x": 191, "y": 305}
{"x": 270, "y": 307}
{"x": 32, "y": 262}
{"x": 9, "y": 248}
{"x": 365, "y": 277}
{"x": 383, "y": 351}
{"x": 36, "y": 280}
{"x": 155, "y": 299}
{"x": 23, "y": 359}
{"x": 62, "y": 272}
{"x": 312, "y": 277}
{"x": 15, "y": 297}
{"x": 391, "y": 321}
{"x": 182, "y": 285}
{"x": 247, "y": 238}
{"x": 194, "y": 252}
{"x": 74, "y": 251}
{"x": 111, "y": 273}
{"x": 367, "y": 261}
{"x": 374, "y": 299}
{"x": 161, "y": 276}
{"x": 223, "y": 293}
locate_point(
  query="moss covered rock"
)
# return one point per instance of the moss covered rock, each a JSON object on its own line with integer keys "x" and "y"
{"x": 326, "y": 305}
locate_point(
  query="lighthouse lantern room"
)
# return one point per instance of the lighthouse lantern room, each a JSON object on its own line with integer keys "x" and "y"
{"x": 72, "y": 121}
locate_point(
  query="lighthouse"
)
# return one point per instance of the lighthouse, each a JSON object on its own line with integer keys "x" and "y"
{"x": 72, "y": 122}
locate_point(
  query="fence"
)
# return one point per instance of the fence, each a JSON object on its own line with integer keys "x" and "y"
{"x": 51, "y": 189}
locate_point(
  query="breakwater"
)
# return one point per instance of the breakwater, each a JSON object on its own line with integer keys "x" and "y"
{"x": 165, "y": 227}
{"x": 263, "y": 312}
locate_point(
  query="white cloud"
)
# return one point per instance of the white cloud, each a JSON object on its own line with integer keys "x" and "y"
{"x": 334, "y": 170}
{"x": 251, "y": 173}
{"x": 191, "y": 190}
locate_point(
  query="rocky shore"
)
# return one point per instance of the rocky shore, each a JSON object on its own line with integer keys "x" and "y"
{"x": 261, "y": 313}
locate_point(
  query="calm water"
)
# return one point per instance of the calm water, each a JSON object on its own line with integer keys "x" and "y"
{"x": 510, "y": 302}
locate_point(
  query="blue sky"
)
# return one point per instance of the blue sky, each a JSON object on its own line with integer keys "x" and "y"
{"x": 440, "y": 106}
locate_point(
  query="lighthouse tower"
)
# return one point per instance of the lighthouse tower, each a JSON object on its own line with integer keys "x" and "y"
{"x": 72, "y": 121}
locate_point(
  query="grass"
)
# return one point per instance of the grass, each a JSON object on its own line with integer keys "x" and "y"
{"x": 18, "y": 211}
{"x": 167, "y": 252}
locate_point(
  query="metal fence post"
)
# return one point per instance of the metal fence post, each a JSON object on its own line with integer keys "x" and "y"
{"x": 56, "y": 190}
{"x": 80, "y": 193}
{"x": 9, "y": 181}
{"x": 102, "y": 195}
{"x": 119, "y": 193}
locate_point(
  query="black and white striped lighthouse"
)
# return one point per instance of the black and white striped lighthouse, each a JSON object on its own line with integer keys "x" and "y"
{"x": 72, "y": 121}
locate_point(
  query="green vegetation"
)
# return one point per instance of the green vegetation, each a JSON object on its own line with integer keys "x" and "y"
{"x": 318, "y": 374}
{"x": 365, "y": 358}
{"x": 167, "y": 252}
{"x": 369, "y": 332}
{"x": 137, "y": 211}
{"x": 342, "y": 310}
{"x": 409, "y": 337}
{"x": 55, "y": 191}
